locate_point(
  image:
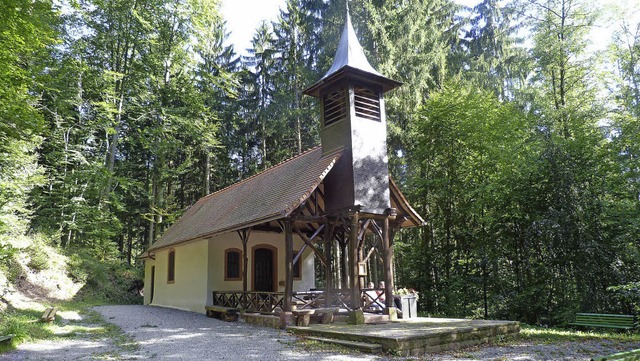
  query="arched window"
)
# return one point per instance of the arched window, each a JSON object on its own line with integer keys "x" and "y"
{"x": 171, "y": 267}
{"x": 232, "y": 263}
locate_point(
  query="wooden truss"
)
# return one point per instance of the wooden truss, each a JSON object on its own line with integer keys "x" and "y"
{"x": 358, "y": 236}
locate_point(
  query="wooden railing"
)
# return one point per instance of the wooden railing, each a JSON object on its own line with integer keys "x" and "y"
{"x": 316, "y": 299}
{"x": 267, "y": 302}
{"x": 373, "y": 300}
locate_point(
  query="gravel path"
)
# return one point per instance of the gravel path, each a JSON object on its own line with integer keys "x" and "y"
{"x": 168, "y": 334}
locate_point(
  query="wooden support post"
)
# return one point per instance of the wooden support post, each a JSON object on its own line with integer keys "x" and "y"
{"x": 244, "y": 237}
{"x": 353, "y": 263}
{"x": 344, "y": 264}
{"x": 328, "y": 275}
{"x": 245, "y": 259}
{"x": 361, "y": 238}
{"x": 288, "y": 266}
{"x": 388, "y": 264}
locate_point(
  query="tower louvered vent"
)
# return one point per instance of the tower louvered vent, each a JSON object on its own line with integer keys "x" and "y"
{"x": 367, "y": 104}
{"x": 335, "y": 107}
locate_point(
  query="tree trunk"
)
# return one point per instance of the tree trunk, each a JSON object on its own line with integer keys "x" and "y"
{"x": 207, "y": 173}
{"x": 129, "y": 246}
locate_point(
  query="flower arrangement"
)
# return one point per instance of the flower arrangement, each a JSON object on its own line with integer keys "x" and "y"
{"x": 407, "y": 291}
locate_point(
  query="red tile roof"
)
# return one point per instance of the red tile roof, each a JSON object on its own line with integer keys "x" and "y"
{"x": 269, "y": 195}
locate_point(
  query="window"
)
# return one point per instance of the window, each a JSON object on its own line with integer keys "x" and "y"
{"x": 232, "y": 264}
{"x": 367, "y": 103}
{"x": 335, "y": 107}
{"x": 171, "y": 268}
{"x": 296, "y": 267}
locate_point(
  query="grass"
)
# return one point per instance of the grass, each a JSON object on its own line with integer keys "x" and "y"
{"x": 556, "y": 335}
{"x": 317, "y": 346}
{"x": 25, "y": 325}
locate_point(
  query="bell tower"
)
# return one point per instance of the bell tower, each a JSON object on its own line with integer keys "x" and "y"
{"x": 353, "y": 120}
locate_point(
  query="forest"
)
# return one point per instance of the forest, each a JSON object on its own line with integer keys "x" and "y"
{"x": 516, "y": 135}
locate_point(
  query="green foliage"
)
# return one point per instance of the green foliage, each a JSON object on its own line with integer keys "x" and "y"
{"x": 75, "y": 269}
{"x": 37, "y": 253}
{"x": 557, "y": 335}
{"x": 628, "y": 295}
{"x": 108, "y": 281}
{"x": 12, "y": 326}
{"x": 23, "y": 323}
{"x": 9, "y": 264}
{"x": 38, "y": 259}
{"x": 522, "y": 157}
{"x": 27, "y": 29}
{"x": 7, "y": 254}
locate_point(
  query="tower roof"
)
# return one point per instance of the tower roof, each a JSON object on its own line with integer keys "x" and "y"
{"x": 350, "y": 60}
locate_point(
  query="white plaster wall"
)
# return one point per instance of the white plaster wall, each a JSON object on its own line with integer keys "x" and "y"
{"x": 200, "y": 270}
{"x": 189, "y": 290}
{"x": 148, "y": 263}
{"x": 217, "y": 246}
{"x": 216, "y": 282}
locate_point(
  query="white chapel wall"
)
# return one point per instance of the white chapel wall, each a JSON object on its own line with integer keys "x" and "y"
{"x": 217, "y": 246}
{"x": 148, "y": 264}
{"x": 189, "y": 289}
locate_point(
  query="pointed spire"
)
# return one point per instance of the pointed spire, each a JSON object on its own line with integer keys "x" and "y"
{"x": 350, "y": 57}
{"x": 350, "y": 52}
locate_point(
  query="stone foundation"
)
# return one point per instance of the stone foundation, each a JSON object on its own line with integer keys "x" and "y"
{"x": 416, "y": 337}
{"x": 258, "y": 319}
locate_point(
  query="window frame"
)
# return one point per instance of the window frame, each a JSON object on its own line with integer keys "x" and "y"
{"x": 226, "y": 264}
{"x": 171, "y": 266}
{"x": 336, "y": 104}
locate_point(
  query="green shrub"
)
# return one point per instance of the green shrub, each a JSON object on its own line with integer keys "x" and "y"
{"x": 38, "y": 258}
{"x": 75, "y": 269}
{"x": 626, "y": 297}
{"x": 7, "y": 252}
{"x": 38, "y": 252}
{"x": 13, "y": 326}
{"x": 107, "y": 281}
{"x": 8, "y": 262}
{"x": 12, "y": 268}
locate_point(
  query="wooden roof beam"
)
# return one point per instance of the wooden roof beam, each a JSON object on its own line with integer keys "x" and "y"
{"x": 309, "y": 242}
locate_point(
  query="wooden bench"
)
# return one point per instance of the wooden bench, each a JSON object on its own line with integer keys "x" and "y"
{"x": 626, "y": 322}
{"x": 303, "y": 317}
{"x": 6, "y": 339}
{"x": 49, "y": 315}
{"x": 228, "y": 314}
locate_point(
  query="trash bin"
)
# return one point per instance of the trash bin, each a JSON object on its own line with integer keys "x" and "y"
{"x": 409, "y": 306}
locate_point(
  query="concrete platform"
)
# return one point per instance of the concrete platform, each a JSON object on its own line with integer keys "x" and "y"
{"x": 415, "y": 337}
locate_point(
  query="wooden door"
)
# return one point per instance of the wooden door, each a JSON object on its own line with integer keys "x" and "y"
{"x": 263, "y": 274}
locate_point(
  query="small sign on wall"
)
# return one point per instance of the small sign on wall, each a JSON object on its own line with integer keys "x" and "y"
{"x": 362, "y": 268}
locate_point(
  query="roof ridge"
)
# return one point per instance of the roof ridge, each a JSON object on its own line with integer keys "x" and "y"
{"x": 279, "y": 213}
{"x": 259, "y": 173}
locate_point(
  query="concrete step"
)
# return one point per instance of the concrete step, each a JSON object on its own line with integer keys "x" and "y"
{"x": 414, "y": 338}
{"x": 360, "y": 346}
